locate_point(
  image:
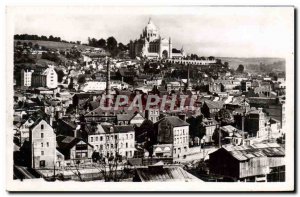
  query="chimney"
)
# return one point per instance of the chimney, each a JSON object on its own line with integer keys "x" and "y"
{"x": 108, "y": 78}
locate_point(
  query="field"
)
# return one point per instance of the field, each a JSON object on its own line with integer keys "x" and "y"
{"x": 54, "y": 45}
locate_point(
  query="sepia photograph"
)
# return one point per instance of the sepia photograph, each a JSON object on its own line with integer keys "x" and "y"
{"x": 112, "y": 98}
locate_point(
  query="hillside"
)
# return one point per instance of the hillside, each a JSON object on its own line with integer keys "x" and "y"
{"x": 256, "y": 64}
{"x": 54, "y": 45}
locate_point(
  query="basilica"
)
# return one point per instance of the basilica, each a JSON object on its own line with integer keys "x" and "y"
{"x": 150, "y": 45}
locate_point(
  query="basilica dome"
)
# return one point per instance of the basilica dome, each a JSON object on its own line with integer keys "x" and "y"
{"x": 150, "y": 26}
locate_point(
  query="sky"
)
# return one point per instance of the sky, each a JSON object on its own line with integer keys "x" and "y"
{"x": 205, "y": 31}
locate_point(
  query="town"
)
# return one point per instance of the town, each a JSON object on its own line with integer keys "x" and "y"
{"x": 143, "y": 112}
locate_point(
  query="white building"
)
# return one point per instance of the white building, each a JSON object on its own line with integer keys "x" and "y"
{"x": 43, "y": 145}
{"x": 94, "y": 86}
{"x": 26, "y": 76}
{"x": 109, "y": 140}
{"x": 48, "y": 78}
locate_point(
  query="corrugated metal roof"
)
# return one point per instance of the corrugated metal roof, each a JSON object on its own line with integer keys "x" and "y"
{"x": 256, "y": 150}
{"x": 162, "y": 174}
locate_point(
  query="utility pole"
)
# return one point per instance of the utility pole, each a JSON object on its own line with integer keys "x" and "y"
{"x": 243, "y": 121}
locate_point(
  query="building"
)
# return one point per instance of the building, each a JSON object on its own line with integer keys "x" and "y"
{"x": 210, "y": 108}
{"x": 172, "y": 138}
{"x": 245, "y": 85}
{"x": 26, "y": 76}
{"x": 151, "y": 45}
{"x": 109, "y": 140}
{"x": 255, "y": 123}
{"x": 42, "y": 139}
{"x": 152, "y": 114}
{"x": 253, "y": 163}
{"x": 210, "y": 126}
{"x": 47, "y": 78}
{"x": 74, "y": 148}
{"x": 94, "y": 86}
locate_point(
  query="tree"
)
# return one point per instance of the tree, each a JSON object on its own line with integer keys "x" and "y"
{"x": 36, "y": 46}
{"x": 122, "y": 47}
{"x": 112, "y": 43}
{"x": 240, "y": 69}
{"x": 196, "y": 128}
{"x": 60, "y": 75}
{"x": 81, "y": 79}
{"x": 225, "y": 117}
{"x": 101, "y": 43}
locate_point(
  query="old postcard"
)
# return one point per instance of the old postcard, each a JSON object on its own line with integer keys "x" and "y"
{"x": 150, "y": 98}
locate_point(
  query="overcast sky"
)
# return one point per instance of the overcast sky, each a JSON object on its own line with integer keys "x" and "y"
{"x": 227, "y": 32}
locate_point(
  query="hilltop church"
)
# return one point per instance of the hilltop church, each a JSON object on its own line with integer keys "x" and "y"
{"x": 150, "y": 45}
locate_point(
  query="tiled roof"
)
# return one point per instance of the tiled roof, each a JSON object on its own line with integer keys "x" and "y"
{"x": 174, "y": 121}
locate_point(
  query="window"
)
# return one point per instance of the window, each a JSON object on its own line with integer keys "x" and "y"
{"x": 42, "y": 144}
{"x": 96, "y": 139}
{"x": 47, "y": 144}
{"x": 131, "y": 136}
{"x": 42, "y": 126}
{"x": 92, "y": 139}
{"x": 101, "y": 147}
{"x": 97, "y": 147}
{"x": 116, "y": 137}
{"x": 42, "y": 152}
{"x": 42, "y": 135}
{"x": 127, "y": 136}
{"x": 112, "y": 146}
{"x": 101, "y": 138}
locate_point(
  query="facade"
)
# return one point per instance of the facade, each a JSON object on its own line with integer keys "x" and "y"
{"x": 152, "y": 114}
{"x": 172, "y": 130}
{"x": 24, "y": 129}
{"x": 246, "y": 163}
{"x": 109, "y": 140}
{"x": 43, "y": 145}
{"x": 245, "y": 85}
{"x": 152, "y": 46}
{"x": 26, "y": 76}
{"x": 210, "y": 126}
{"x": 48, "y": 78}
{"x": 74, "y": 148}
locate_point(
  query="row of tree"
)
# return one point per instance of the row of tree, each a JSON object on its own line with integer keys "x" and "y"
{"x": 36, "y": 37}
{"x": 110, "y": 44}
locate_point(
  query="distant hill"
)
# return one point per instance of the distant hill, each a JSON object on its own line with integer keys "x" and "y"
{"x": 55, "y": 45}
{"x": 256, "y": 64}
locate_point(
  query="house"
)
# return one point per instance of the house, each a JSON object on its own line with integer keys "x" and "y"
{"x": 42, "y": 140}
{"x": 210, "y": 125}
{"x": 152, "y": 114}
{"x": 26, "y": 76}
{"x": 232, "y": 135}
{"x": 172, "y": 134}
{"x": 252, "y": 163}
{"x": 24, "y": 129}
{"x": 245, "y": 85}
{"x": 110, "y": 140}
{"x": 47, "y": 78}
{"x": 210, "y": 108}
{"x": 73, "y": 148}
